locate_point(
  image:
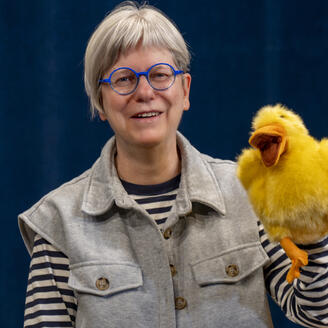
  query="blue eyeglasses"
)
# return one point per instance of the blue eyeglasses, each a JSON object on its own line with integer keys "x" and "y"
{"x": 125, "y": 80}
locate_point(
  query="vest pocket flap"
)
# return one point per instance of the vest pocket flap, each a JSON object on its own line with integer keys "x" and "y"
{"x": 104, "y": 278}
{"x": 230, "y": 266}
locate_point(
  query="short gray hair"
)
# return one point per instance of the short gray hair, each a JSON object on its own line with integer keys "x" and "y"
{"x": 122, "y": 29}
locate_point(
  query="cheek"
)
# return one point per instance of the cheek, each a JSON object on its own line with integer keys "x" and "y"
{"x": 175, "y": 95}
{"x": 106, "y": 100}
{"x": 177, "y": 100}
{"x": 111, "y": 103}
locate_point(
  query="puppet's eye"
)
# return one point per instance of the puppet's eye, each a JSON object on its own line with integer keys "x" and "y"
{"x": 282, "y": 116}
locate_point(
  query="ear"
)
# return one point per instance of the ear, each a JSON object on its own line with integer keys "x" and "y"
{"x": 186, "y": 90}
{"x": 102, "y": 116}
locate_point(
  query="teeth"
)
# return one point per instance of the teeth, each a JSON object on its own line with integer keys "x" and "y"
{"x": 150, "y": 114}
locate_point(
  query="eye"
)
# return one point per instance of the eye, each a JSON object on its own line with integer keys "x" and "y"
{"x": 282, "y": 116}
{"x": 159, "y": 76}
{"x": 120, "y": 80}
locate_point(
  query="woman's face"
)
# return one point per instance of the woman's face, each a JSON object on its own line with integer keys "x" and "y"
{"x": 121, "y": 110}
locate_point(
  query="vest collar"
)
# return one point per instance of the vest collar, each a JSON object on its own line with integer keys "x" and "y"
{"x": 198, "y": 183}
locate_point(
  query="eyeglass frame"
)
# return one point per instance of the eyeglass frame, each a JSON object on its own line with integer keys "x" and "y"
{"x": 138, "y": 74}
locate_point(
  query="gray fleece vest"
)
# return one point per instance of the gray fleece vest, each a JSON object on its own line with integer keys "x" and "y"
{"x": 121, "y": 264}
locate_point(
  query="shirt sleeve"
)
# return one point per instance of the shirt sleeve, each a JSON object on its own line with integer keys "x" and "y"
{"x": 305, "y": 301}
{"x": 49, "y": 300}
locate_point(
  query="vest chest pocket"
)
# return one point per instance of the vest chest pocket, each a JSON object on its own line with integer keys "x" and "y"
{"x": 231, "y": 265}
{"x": 104, "y": 279}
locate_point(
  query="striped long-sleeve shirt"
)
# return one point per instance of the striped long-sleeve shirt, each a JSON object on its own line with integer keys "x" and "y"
{"x": 51, "y": 303}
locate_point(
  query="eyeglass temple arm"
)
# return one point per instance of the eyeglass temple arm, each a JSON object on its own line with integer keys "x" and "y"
{"x": 104, "y": 80}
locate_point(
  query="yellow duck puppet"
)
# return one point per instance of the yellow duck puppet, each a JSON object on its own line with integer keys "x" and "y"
{"x": 286, "y": 178}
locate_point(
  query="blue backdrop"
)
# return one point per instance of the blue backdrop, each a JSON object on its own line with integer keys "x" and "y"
{"x": 245, "y": 54}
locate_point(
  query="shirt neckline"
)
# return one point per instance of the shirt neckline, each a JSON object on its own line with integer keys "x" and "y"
{"x": 153, "y": 189}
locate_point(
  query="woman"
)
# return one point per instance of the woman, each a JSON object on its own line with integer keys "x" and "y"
{"x": 155, "y": 234}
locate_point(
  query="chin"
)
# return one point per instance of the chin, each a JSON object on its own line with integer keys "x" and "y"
{"x": 150, "y": 140}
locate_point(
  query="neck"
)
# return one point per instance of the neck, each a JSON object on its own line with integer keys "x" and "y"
{"x": 145, "y": 166}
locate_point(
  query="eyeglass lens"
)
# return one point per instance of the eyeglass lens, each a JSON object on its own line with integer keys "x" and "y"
{"x": 160, "y": 77}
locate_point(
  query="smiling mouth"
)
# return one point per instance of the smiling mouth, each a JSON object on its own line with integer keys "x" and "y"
{"x": 144, "y": 115}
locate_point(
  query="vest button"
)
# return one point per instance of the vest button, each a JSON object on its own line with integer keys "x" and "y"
{"x": 173, "y": 270}
{"x": 180, "y": 303}
{"x": 232, "y": 270}
{"x": 102, "y": 283}
{"x": 167, "y": 233}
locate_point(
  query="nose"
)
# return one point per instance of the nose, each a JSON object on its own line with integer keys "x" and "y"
{"x": 144, "y": 91}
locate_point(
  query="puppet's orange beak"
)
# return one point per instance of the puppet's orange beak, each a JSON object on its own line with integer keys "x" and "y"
{"x": 271, "y": 140}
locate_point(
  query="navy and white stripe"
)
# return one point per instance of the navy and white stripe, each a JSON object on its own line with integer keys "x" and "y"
{"x": 306, "y": 300}
{"x": 49, "y": 300}
{"x": 51, "y": 303}
{"x": 157, "y": 199}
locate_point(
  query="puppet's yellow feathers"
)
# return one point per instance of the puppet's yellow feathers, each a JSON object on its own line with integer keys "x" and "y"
{"x": 286, "y": 177}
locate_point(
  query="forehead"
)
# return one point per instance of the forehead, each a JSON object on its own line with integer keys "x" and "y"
{"x": 141, "y": 58}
